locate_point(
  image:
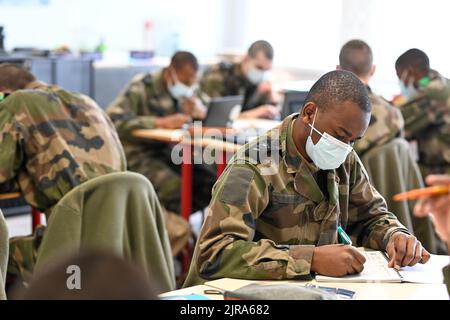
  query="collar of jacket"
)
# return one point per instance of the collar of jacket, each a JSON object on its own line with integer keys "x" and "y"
{"x": 436, "y": 80}
{"x": 305, "y": 183}
{"x": 237, "y": 70}
{"x": 35, "y": 85}
{"x": 159, "y": 84}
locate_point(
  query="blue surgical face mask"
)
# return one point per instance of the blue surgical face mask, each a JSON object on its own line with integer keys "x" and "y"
{"x": 408, "y": 91}
{"x": 328, "y": 153}
{"x": 179, "y": 90}
{"x": 256, "y": 76}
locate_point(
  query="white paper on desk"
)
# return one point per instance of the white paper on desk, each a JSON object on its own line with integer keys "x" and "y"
{"x": 430, "y": 272}
{"x": 375, "y": 270}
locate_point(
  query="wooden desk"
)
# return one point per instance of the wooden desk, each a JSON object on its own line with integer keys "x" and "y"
{"x": 188, "y": 142}
{"x": 9, "y": 196}
{"x": 434, "y": 289}
{"x": 179, "y": 136}
{"x": 364, "y": 291}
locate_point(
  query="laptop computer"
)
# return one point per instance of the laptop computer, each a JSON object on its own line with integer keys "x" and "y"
{"x": 223, "y": 110}
{"x": 293, "y": 102}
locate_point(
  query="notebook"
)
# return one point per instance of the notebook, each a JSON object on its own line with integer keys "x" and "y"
{"x": 376, "y": 270}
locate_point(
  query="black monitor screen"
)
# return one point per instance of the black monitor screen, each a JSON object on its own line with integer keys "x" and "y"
{"x": 293, "y": 102}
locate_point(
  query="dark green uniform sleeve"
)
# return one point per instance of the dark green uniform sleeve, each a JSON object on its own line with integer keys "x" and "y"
{"x": 422, "y": 113}
{"x": 125, "y": 110}
{"x": 226, "y": 244}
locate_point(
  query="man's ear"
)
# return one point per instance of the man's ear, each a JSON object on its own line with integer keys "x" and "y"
{"x": 372, "y": 70}
{"x": 308, "y": 112}
{"x": 338, "y": 67}
{"x": 245, "y": 62}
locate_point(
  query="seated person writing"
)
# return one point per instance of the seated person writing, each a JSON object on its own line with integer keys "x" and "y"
{"x": 248, "y": 78}
{"x": 276, "y": 215}
{"x": 165, "y": 99}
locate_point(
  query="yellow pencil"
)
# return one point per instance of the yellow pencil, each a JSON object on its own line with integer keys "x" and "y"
{"x": 422, "y": 192}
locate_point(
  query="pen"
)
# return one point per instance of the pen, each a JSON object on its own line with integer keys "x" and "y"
{"x": 344, "y": 237}
{"x": 422, "y": 192}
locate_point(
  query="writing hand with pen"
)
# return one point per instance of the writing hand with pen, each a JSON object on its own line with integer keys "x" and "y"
{"x": 343, "y": 259}
{"x": 338, "y": 260}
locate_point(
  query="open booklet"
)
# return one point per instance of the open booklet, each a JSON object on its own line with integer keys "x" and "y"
{"x": 376, "y": 270}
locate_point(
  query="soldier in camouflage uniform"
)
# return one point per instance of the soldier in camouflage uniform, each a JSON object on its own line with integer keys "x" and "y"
{"x": 276, "y": 209}
{"x": 386, "y": 122}
{"x": 427, "y": 111}
{"x": 249, "y": 78}
{"x": 52, "y": 141}
{"x": 165, "y": 99}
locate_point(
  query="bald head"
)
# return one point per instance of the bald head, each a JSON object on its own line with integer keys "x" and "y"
{"x": 337, "y": 87}
{"x": 14, "y": 77}
{"x": 356, "y": 56}
{"x": 337, "y": 104}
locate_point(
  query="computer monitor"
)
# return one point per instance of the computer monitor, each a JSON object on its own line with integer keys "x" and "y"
{"x": 223, "y": 110}
{"x": 293, "y": 102}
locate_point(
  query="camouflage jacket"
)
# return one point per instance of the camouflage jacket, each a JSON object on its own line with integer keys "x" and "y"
{"x": 267, "y": 215}
{"x": 427, "y": 119}
{"x": 53, "y": 140}
{"x": 225, "y": 79}
{"x": 386, "y": 123}
{"x": 145, "y": 98}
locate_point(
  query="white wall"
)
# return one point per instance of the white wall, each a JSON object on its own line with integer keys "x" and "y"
{"x": 306, "y": 34}
{"x": 192, "y": 25}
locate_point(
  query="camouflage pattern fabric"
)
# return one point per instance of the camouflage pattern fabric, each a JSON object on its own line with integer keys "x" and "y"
{"x": 266, "y": 216}
{"x": 23, "y": 252}
{"x": 53, "y": 140}
{"x": 225, "y": 79}
{"x": 427, "y": 120}
{"x": 386, "y": 124}
{"x": 143, "y": 100}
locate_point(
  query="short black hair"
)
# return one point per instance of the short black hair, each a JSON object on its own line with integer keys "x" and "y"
{"x": 182, "y": 58}
{"x": 14, "y": 77}
{"x": 413, "y": 58}
{"x": 356, "y": 56}
{"x": 261, "y": 46}
{"x": 337, "y": 87}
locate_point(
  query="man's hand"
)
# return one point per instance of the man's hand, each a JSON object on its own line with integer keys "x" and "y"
{"x": 265, "y": 111}
{"x": 174, "y": 121}
{"x": 337, "y": 260}
{"x": 265, "y": 87}
{"x": 437, "y": 207}
{"x": 405, "y": 250}
{"x": 194, "y": 107}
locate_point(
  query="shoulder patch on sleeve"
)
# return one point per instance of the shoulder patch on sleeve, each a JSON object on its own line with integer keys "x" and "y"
{"x": 237, "y": 185}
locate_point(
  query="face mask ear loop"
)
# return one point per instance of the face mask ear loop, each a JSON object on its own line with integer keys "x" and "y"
{"x": 405, "y": 77}
{"x": 174, "y": 76}
{"x": 314, "y": 121}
